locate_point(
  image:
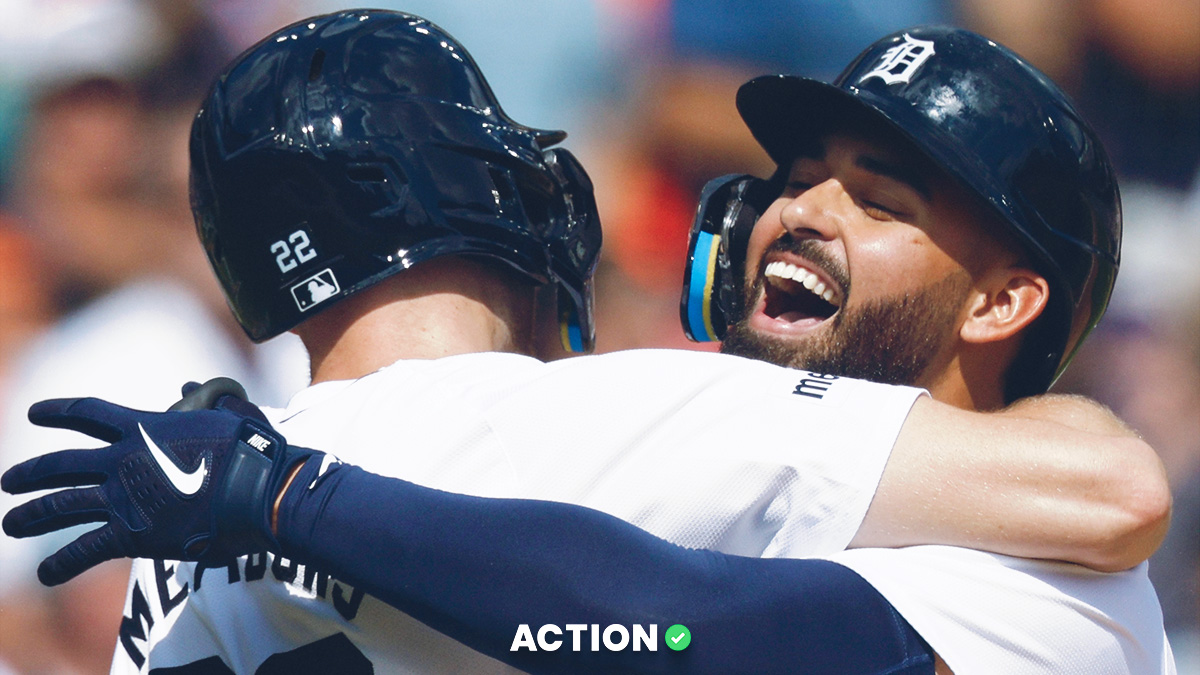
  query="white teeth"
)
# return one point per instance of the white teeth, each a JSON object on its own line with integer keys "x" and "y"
{"x": 785, "y": 270}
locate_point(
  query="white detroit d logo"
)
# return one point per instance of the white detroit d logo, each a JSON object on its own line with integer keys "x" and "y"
{"x": 901, "y": 62}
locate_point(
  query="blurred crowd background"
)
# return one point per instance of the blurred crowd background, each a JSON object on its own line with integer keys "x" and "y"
{"x": 104, "y": 290}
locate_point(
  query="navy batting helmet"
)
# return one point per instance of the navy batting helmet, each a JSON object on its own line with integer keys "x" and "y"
{"x": 347, "y": 147}
{"x": 991, "y": 121}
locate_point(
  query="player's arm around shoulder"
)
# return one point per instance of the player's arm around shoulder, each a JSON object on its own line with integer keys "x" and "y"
{"x": 1053, "y": 476}
{"x": 1126, "y": 490}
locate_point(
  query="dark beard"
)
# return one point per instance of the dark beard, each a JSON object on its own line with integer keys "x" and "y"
{"x": 891, "y": 340}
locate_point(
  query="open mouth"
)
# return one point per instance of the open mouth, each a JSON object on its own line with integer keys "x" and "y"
{"x": 794, "y": 294}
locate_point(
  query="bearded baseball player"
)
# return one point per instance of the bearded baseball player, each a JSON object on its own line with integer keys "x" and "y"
{"x": 355, "y": 181}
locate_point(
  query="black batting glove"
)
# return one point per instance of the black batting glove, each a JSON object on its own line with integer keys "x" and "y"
{"x": 195, "y": 483}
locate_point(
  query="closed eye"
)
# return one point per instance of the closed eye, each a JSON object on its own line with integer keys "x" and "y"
{"x": 877, "y": 210}
{"x": 885, "y": 203}
{"x": 797, "y": 187}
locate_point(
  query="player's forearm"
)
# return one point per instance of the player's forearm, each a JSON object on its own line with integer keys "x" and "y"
{"x": 1123, "y": 488}
{"x": 477, "y": 568}
{"x": 1054, "y": 477}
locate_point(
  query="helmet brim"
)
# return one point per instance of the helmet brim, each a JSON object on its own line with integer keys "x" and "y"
{"x": 786, "y": 112}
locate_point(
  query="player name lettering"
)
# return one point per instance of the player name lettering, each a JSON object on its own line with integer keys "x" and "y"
{"x": 814, "y": 385}
{"x": 172, "y": 587}
{"x": 613, "y": 638}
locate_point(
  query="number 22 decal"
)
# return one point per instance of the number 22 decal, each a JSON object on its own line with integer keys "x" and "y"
{"x": 294, "y": 250}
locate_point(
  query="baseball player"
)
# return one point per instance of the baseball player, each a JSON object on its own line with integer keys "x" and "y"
{"x": 262, "y": 198}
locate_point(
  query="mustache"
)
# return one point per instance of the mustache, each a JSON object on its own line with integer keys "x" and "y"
{"x": 812, "y": 250}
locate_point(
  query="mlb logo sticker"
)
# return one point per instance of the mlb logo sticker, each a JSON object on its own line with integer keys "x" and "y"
{"x": 901, "y": 62}
{"x": 316, "y": 289}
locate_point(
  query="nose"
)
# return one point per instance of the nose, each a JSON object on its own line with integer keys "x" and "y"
{"x": 812, "y": 214}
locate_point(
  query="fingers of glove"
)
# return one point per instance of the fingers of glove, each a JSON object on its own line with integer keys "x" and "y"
{"x": 92, "y": 416}
{"x": 65, "y": 468}
{"x": 187, "y": 389}
{"x": 205, "y": 396}
{"x": 89, "y": 550}
{"x": 56, "y": 511}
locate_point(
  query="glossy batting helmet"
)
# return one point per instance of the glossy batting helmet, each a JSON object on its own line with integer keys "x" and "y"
{"x": 982, "y": 114}
{"x": 347, "y": 147}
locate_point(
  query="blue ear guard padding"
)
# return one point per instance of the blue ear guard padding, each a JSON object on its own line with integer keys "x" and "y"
{"x": 712, "y": 283}
{"x": 697, "y": 308}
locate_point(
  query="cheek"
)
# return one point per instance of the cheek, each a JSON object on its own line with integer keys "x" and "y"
{"x": 893, "y": 262}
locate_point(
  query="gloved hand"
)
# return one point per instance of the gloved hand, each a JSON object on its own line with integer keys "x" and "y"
{"x": 197, "y": 482}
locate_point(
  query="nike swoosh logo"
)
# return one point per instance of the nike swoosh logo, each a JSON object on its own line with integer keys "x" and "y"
{"x": 326, "y": 462}
{"x": 187, "y": 483}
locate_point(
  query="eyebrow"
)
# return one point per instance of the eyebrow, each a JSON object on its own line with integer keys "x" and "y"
{"x": 906, "y": 175}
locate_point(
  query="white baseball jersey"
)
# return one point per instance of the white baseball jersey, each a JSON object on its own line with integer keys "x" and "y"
{"x": 701, "y": 449}
{"x": 988, "y": 613}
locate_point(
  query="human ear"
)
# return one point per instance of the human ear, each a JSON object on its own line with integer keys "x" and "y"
{"x": 1004, "y": 302}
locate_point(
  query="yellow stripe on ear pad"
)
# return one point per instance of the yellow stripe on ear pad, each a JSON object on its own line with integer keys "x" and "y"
{"x": 570, "y": 332}
{"x": 709, "y": 279}
{"x": 564, "y": 334}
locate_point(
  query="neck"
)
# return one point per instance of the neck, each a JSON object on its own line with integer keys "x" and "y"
{"x": 973, "y": 380}
{"x": 443, "y": 307}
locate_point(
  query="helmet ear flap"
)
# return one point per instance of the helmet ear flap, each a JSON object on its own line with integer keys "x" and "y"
{"x": 575, "y": 251}
{"x": 713, "y": 278}
{"x": 576, "y": 326}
